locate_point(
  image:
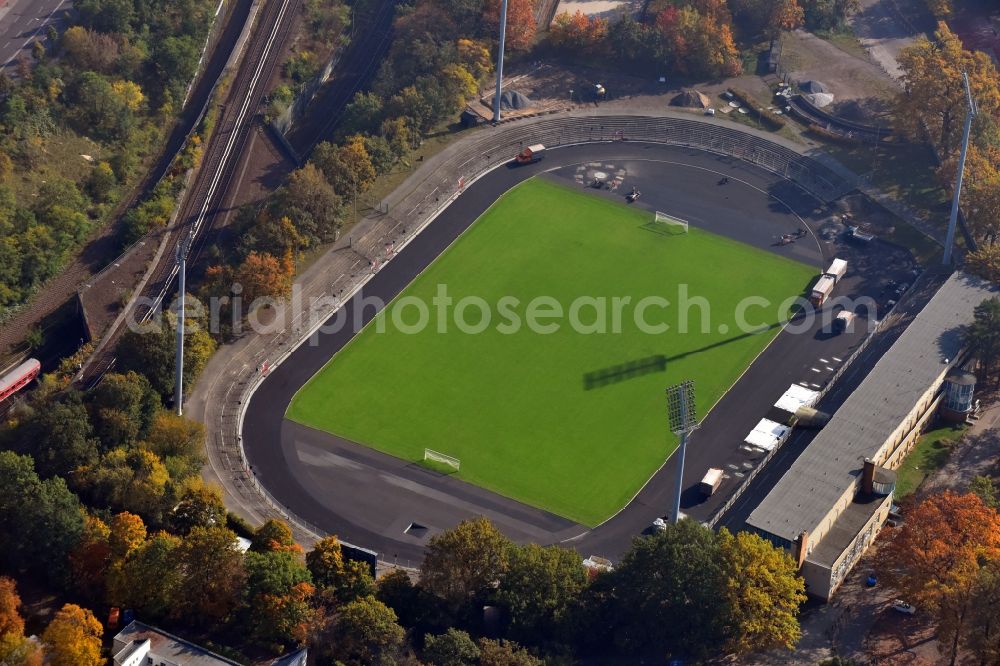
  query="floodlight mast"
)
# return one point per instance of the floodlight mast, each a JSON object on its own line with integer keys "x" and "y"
{"x": 503, "y": 38}
{"x": 956, "y": 198}
{"x": 683, "y": 421}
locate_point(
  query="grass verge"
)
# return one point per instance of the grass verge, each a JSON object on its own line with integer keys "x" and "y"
{"x": 929, "y": 455}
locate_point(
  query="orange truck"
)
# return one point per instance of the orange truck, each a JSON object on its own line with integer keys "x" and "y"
{"x": 531, "y": 154}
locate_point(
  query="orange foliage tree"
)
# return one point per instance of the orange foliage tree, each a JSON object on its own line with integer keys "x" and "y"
{"x": 934, "y": 559}
{"x": 264, "y": 275}
{"x": 11, "y": 621}
{"x": 521, "y": 24}
{"x": 579, "y": 33}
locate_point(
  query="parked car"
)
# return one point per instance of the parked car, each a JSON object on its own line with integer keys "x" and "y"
{"x": 901, "y": 606}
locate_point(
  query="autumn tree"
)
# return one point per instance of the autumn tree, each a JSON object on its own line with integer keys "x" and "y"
{"x": 461, "y": 565}
{"x": 933, "y": 92}
{"x": 347, "y": 167}
{"x": 347, "y": 579}
{"x": 172, "y": 436}
{"x": 763, "y": 592}
{"x": 90, "y": 560}
{"x": 278, "y": 594}
{"x": 521, "y": 23}
{"x": 199, "y": 504}
{"x": 985, "y": 262}
{"x": 367, "y": 633}
{"x": 11, "y": 621}
{"x": 311, "y": 203}
{"x": 149, "y": 577}
{"x": 504, "y": 653}
{"x": 982, "y": 633}
{"x": 934, "y": 559}
{"x": 263, "y": 275}
{"x": 767, "y": 18}
{"x": 15, "y": 648}
{"x": 579, "y": 33}
{"x": 211, "y": 576}
{"x": 73, "y": 638}
{"x": 980, "y": 189}
{"x": 274, "y": 535}
{"x": 128, "y": 480}
{"x": 126, "y": 533}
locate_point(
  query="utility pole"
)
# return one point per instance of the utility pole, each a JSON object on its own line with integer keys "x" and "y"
{"x": 503, "y": 38}
{"x": 182, "y": 250}
{"x": 953, "y": 220}
{"x": 683, "y": 421}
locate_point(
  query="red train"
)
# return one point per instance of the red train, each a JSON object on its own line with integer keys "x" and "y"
{"x": 18, "y": 378}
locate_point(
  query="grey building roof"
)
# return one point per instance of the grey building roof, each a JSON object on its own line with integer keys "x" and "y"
{"x": 833, "y": 461}
{"x": 167, "y": 647}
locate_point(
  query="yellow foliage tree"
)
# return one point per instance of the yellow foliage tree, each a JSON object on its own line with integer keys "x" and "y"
{"x": 764, "y": 593}
{"x": 73, "y": 638}
{"x": 129, "y": 93}
{"x": 933, "y": 92}
{"x": 128, "y": 532}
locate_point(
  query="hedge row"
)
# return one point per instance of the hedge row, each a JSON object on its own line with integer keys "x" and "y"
{"x": 766, "y": 116}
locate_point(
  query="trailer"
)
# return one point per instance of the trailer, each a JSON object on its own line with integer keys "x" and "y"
{"x": 710, "y": 482}
{"x": 821, "y": 290}
{"x": 859, "y": 236}
{"x": 19, "y": 377}
{"x": 837, "y": 269}
{"x": 531, "y": 154}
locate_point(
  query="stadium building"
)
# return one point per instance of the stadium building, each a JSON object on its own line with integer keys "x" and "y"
{"x": 832, "y": 502}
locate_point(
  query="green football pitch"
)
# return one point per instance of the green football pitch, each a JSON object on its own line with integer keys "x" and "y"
{"x": 554, "y": 419}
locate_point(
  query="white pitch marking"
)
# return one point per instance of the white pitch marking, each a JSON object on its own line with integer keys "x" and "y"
{"x": 823, "y": 360}
{"x": 838, "y": 360}
{"x": 829, "y": 368}
{"x": 815, "y": 369}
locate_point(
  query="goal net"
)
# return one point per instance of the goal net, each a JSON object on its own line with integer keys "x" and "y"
{"x": 670, "y": 224}
{"x": 437, "y": 457}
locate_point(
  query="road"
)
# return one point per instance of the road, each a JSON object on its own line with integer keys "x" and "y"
{"x": 21, "y": 22}
{"x": 375, "y": 500}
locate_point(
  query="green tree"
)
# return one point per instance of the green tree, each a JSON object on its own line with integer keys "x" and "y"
{"x": 462, "y": 564}
{"x": 538, "y": 588}
{"x": 666, "y": 597}
{"x": 101, "y": 182}
{"x": 128, "y": 480}
{"x": 983, "y": 335}
{"x": 982, "y": 634}
{"x": 151, "y": 353}
{"x": 367, "y": 633}
{"x": 452, "y": 648}
{"x": 59, "y": 436}
{"x": 983, "y": 487}
{"x": 122, "y": 408}
{"x": 41, "y": 522}
{"x": 764, "y": 592}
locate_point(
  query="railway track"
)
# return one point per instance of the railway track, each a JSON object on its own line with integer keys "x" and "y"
{"x": 215, "y": 174}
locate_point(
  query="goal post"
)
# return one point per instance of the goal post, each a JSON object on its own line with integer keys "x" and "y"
{"x": 670, "y": 224}
{"x": 437, "y": 457}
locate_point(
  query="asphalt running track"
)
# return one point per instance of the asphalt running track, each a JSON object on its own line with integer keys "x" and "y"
{"x": 393, "y": 506}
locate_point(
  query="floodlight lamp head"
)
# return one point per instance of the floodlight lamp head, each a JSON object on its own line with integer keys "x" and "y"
{"x": 681, "y": 407}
